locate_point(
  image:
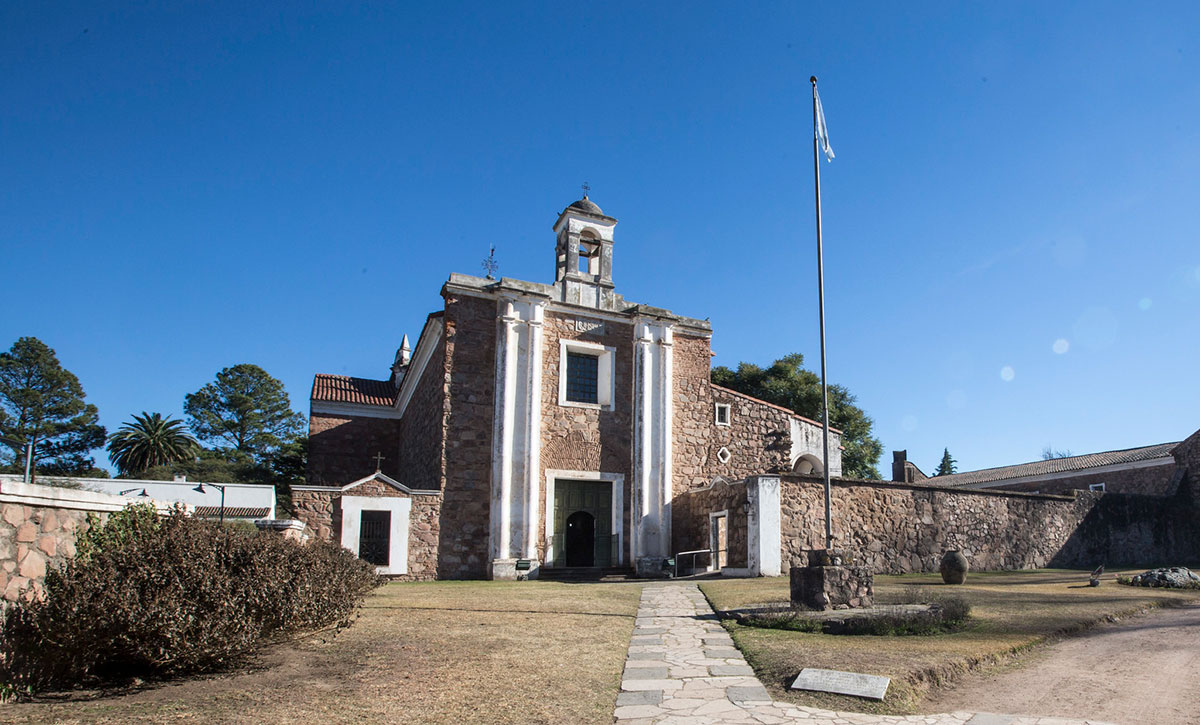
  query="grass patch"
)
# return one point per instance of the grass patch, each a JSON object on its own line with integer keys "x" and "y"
{"x": 436, "y": 652}
{"x": 1010, "y": 612}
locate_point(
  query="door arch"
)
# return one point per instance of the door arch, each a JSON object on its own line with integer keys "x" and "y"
{"x": 580, "y": 539}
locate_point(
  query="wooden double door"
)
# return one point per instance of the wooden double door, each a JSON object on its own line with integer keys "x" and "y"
{"x": 583, "y": 534}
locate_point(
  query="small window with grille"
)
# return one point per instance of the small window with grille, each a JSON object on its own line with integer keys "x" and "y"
{"x": 722, "y": 414}
{"x": 582, "y": 377}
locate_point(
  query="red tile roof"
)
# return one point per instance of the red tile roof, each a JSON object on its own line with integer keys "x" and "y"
{"x": 233, "y": 512}
{"x": 1053, "y": 465}
{"x": 360, "y": 391}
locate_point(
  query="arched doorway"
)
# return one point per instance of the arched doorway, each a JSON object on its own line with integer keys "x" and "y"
{"x": 581, "y": 539}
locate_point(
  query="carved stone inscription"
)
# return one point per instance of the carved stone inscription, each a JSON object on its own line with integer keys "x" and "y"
{"x": 872, "y": 687}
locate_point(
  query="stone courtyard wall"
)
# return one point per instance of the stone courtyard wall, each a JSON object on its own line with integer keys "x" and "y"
{"x": 38, "y": 529}
{"x": 691, "y": 522}
{"x": 322, "y": 513}
{"x": 897, "y": 528}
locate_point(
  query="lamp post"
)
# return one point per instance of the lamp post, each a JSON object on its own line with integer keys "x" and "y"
{"x": 200, "y": 489}
{"x": 28, "y": 445}
{"x": 143, "y": 494}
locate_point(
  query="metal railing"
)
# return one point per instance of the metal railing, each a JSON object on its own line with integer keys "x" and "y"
{"x": 693, "y": 555}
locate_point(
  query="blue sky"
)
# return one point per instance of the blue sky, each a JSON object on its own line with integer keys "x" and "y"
{"x": 188, "y": 186}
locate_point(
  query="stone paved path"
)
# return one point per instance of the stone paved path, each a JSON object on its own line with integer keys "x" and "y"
{"x": 683, "y": 669}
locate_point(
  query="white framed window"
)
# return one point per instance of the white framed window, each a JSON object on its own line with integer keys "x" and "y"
{"x": 723, "y": 455}
{"x": 721, "y": 413}
{"x": 585, "y": 374}
{"x": 1096, "y": 487}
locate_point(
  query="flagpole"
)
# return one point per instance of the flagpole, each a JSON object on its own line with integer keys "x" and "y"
{"x": 821, "y": 310}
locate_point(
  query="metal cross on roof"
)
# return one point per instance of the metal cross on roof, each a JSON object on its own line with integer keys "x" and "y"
{"x": 586, "y": 188}
{"x": 379, "y": 459}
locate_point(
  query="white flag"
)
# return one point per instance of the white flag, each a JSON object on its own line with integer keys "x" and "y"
{"x": 821, "y": 131}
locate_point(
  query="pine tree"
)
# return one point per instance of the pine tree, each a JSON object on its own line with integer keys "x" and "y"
{"x": 948, "y": 464}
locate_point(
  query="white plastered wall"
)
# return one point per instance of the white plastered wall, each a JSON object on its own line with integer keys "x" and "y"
{"x": 400, "y": 508}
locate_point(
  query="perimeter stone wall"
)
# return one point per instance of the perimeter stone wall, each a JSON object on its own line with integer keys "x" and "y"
{"x": 691, "y": 522}
{"x": 897, "y": 528}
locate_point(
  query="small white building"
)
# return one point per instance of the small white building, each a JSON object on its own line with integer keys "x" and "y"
{"x": 248, "y": 501}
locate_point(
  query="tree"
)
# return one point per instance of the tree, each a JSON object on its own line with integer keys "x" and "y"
{"x": 150, "y": 440}
{"x": 948, "y": 464}
{"x": 789, "y": 384}
{"x": 43, "y": 403}
{"x": 246, "y": 410}
{"x": 1049, "y": 453}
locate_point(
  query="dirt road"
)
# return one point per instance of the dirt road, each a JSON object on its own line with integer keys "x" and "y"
{"x": 1144, "y": 669}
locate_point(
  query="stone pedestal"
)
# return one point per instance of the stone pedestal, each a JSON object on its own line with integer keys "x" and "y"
{"x": 510, "y": 569}
{"x": 287, "y": 528}
{"x": 829, "y": 584}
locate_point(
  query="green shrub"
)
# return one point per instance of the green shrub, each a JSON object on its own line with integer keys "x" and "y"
{"x": 154, "y": 597}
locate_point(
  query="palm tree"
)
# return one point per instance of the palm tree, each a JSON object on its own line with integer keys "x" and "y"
{"x": 150, "y": 440}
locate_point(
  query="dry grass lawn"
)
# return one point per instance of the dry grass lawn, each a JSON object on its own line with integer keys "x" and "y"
{"x": 437, "y": 652}
{"x": 1010, "y": 612}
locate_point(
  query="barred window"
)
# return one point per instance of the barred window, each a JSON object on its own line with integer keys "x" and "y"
{"x": 582, "y": 377}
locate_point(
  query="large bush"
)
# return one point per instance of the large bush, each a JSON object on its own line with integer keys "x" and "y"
{"x": 152, "y": 597}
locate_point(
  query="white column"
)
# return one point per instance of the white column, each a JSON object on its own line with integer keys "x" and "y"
{"x": 533, "y": 436}
{"x": 650, "y": 530}
{"x": 502, "y": 430}
{"x": 763, "y": 539}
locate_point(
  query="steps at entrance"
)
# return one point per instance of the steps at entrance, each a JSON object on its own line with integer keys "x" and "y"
{"x": 585, "y": 573}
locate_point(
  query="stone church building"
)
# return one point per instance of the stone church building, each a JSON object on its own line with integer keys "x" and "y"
{"x": 537, "y": 426}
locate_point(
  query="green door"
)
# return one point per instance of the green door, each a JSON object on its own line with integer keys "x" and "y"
{"x": 592, "y": 497}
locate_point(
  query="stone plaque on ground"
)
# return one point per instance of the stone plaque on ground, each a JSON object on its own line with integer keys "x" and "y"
{"x": 872, "y": 687}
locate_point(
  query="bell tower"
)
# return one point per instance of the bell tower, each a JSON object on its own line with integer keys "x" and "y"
{"x": 584, "y": 255}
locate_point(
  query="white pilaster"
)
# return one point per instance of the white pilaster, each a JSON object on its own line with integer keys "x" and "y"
{"x": 763, "y": 540}
{"x": 653, "y": 418}
{"x": 516, "y": 438}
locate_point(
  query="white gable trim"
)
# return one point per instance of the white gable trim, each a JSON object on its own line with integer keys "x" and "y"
{"x": 377, "y": 476}
{"x": 416, "y": 369}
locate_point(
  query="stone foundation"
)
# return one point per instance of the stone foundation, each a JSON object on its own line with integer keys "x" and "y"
{"x": 832, "y": 587}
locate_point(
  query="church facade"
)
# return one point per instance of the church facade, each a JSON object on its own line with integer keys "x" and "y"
{"x": 536, "y": 426}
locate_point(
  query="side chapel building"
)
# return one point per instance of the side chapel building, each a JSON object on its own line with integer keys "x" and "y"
{"x": 543, "y": 425}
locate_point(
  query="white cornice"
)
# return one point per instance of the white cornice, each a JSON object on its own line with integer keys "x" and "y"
{"x": 323, "y": 407}
{"x": 377, "y": 476}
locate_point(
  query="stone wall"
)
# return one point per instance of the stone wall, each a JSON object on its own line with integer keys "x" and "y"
{"x": 469, "y": 369}
{"x": 758, "y": 437}
{"x": 1148, "y": 480}
{"x": 38, "y": 529}
{"x": 342, "y": 449}
{"x": 322, "y": 513}
{"x": 694, "y": 451}
{"x": 422, "y": 432}
{"x": 691, "y": 522}
{"x": 896, "y": 528}
{"x": 585, "y": 439}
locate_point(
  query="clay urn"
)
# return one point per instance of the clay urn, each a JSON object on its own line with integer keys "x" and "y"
{"x": 954, "y": 567}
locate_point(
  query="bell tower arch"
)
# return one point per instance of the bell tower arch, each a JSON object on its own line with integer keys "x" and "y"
{"x": 583, "y": 255}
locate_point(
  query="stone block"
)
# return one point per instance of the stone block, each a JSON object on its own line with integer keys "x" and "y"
{"x": 27, "y": 532}
{"x": 33, "y": 565}
{"x": 16, "y": 585}
{"x": 50, "y": 521}
{"x": 48, "y": 544}
{"x": 831, "y": 587}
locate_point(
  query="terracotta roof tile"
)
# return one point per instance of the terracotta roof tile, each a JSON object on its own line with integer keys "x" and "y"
{"x": 360, "y": 391}
{"x": 1054, "y": 465}
{"x": 233, "y": 512}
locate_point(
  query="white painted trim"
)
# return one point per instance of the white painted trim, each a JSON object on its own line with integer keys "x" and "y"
{"x": 352, "y": 410}
{"x": 714, "y": 557}
{"x": 400, "y": 508}
{"x": 565, "y": 308}
{"x": 764, "y": 541}
{"x": 430, "y": 337}
{"x": 605, "y": 369}
{"x": 618, "y": 505}
{"x": 717, "y": 414}
{"x": 377, "y": 476}
{"x": 1073, "y": 473}
{"x": 33, "y": 494}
